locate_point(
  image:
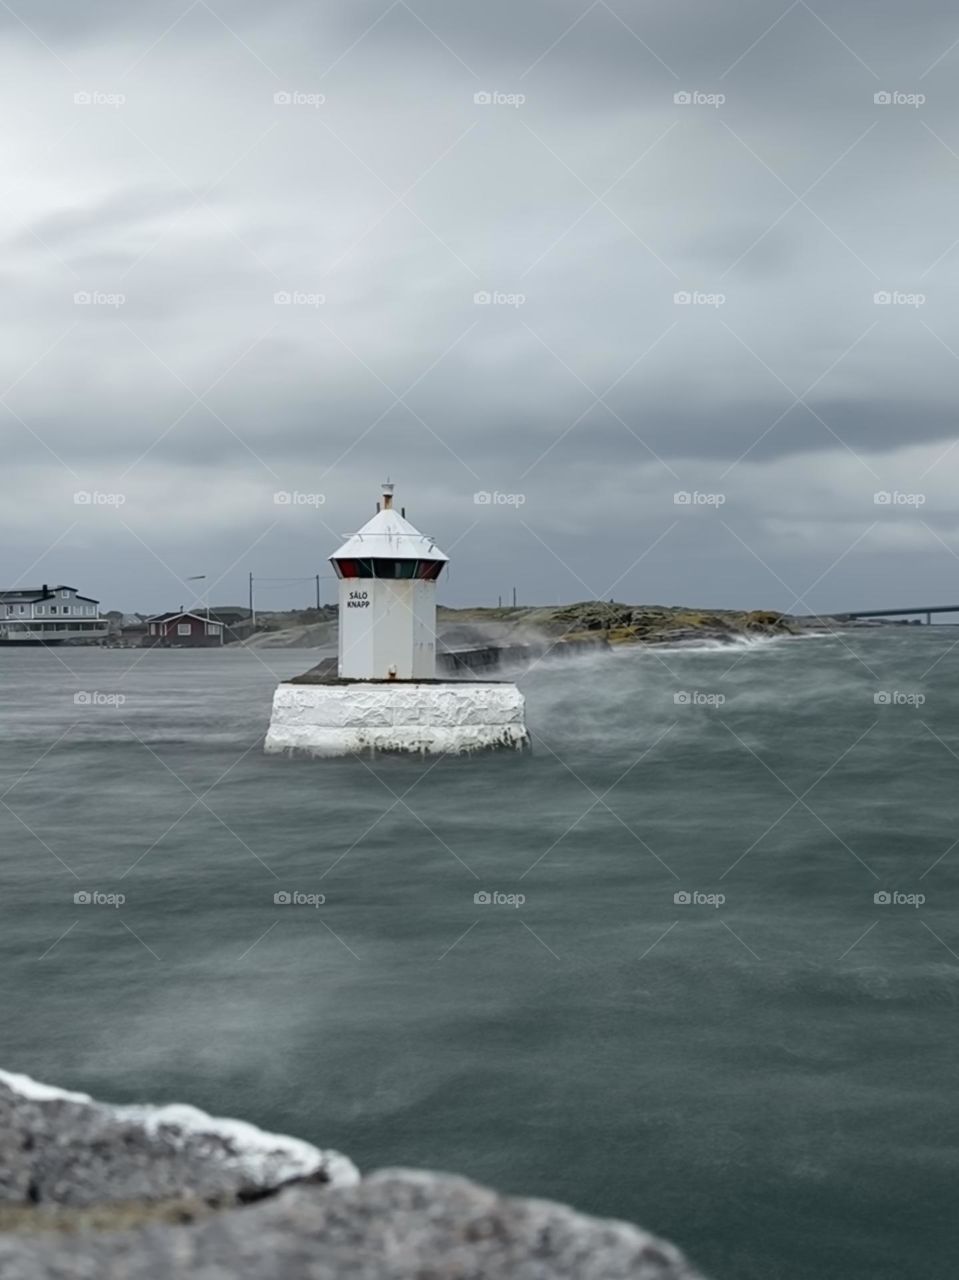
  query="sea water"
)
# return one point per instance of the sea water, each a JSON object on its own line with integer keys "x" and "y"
{"x": 693, "y": 962}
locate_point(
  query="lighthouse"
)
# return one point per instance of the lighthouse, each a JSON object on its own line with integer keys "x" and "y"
{"x": 385, "y": 695}
{"x": 387, "y": 617}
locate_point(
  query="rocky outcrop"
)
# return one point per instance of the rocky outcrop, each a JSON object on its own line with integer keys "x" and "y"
{"x": 585, "y": 623}
{"x": 90, "y": 1192}
{"x": 599, "y": 621}
{"x": 64, "y": 1149}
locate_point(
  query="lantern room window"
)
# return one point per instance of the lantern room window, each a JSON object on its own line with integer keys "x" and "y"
{"x": 382, "y": 567}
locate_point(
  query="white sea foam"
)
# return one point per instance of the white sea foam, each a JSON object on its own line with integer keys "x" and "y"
{"x": 27, "y": 1087}
{"x": 267, "y": 1158}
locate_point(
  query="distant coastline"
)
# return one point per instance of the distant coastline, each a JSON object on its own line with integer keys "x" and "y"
{"x": 587, "y": 624}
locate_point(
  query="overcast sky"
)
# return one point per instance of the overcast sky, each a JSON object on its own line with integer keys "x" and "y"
{"x": 174, "y": 171}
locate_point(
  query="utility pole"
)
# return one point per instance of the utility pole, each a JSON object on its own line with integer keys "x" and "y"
{"x": 317, "y": 591}
{"x": 514, "y": 597}
{"x": 252, "y": 610}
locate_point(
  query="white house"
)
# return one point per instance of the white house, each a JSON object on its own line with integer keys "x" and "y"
{"x": 49, "y": 615}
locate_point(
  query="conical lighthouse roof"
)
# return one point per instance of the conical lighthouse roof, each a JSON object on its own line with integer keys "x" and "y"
{"x": 391, "y": 537}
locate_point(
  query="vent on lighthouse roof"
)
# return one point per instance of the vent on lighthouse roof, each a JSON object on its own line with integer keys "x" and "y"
{"x": 389, "y": 536}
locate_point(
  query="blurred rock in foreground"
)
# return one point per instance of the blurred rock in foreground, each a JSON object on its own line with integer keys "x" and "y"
{"x": 91, "y": 1192}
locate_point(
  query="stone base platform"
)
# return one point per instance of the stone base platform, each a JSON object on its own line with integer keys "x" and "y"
{"x": 341, "y": 717}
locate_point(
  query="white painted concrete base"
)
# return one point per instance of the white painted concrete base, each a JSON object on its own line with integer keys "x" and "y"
{"x": 340, "y": 719}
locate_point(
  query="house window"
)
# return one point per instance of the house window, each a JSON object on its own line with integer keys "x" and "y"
{"x": 20, "y": 608}
{"x": 64, "y": 595}
{"x": 183, "y": 629}
{"x": 212, "y": 629}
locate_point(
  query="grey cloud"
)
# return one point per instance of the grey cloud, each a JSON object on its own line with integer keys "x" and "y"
{"x": 199, "y": 199}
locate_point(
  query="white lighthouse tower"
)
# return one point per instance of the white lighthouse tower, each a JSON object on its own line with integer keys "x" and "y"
{"x": 385, "y": 695}
{"x": 388, "y": 572}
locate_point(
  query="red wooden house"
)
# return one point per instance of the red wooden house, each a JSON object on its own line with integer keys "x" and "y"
{"x": 183, "y": 629}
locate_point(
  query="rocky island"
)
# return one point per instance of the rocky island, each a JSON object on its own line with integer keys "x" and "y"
{"x": 561, "y": 628}
{"x": 96, "y": 1192}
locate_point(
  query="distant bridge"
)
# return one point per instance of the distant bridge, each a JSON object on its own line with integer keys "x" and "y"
{"x": 926, "y": 609}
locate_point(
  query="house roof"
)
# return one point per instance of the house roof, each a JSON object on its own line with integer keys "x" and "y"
{"x": 38, "y": 593}
{"x": 182, "y": 613}
{"x": 388, "y": 536}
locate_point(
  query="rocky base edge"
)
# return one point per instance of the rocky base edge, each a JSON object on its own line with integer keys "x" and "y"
{"x": 69, "y": 1167}
{"x": 430, "y": 718}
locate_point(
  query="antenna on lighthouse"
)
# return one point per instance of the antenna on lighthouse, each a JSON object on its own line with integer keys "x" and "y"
{"x": 388, "y": 487}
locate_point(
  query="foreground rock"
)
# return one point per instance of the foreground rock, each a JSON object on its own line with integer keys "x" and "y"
{"x": 85, "y": 1191}
{"x": 64, "y": 1149}
{"x": 396, "y": 1225}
